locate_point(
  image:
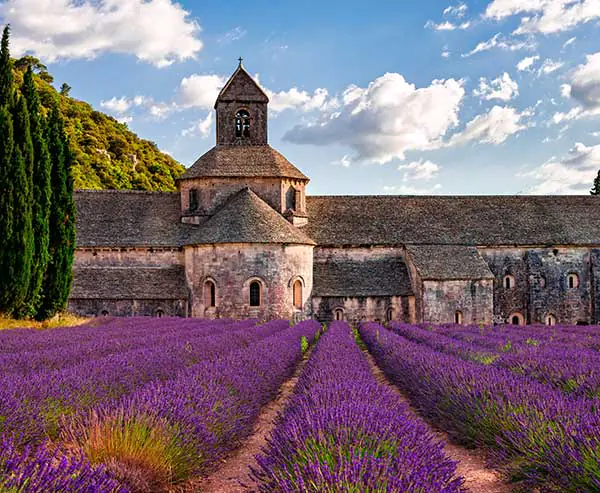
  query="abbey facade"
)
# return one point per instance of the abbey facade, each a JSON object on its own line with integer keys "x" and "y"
{"x": 241, "y": 238}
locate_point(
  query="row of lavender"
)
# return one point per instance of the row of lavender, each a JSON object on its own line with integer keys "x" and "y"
{"x": 570, "y": 367}
{"x": 165, "y": 430}
{"x": 343, "y": 431}
{"x": 32, "y": 404}
{"x": 548, "y": 438}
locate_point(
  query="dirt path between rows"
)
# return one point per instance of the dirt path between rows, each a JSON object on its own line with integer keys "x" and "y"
{"x": 471, "y": 463}
{"x": 233, "y": 476}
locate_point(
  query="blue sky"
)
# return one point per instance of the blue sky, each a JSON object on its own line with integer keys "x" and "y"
{"x": 444, "y": 97}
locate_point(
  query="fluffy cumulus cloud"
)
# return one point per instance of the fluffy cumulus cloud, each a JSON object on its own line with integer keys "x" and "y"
{"x": 502, "y": 88}
{"x": 526, "y": 64}
{"x": 493, "y": 127}
{"x": 201, "y": 127}
{"x": 155, "y": 31}
{"x": 295, "y": 99}
{"x": 571, "y": 174}
{"x": 384, "y": 120}
{"x": 117, "y": 105}
{"x": 584, "y": 90}
{"x": 419, "y": 170}
{"x": 545, "y": 16}
{"x": 200, "y": 91}
{"x": 550, "y": 66}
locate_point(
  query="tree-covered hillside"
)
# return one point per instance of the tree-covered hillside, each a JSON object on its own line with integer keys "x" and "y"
{"x": 107, "y": 154}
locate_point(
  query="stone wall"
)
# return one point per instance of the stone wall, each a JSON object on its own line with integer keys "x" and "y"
{"x": 232, "y": 267}
{"x": 225, "y": 127}
{"x": 472, "y": 298}
{"x": 213, "y": 192}
{"x": 541, "y": 283}
{"x": 369, "y": 308}
{"x": 128, "y": 308}
{"x": 128, "y": 257}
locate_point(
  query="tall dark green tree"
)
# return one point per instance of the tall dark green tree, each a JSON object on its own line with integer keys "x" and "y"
{"x": 59, "y": 277}
{"x": 6, "y": 205}
{"x": 6, "y": 75}
{"x": 41, "y": 192}
{"x": 22, "y": 240}
{"x": 596, "y": 188}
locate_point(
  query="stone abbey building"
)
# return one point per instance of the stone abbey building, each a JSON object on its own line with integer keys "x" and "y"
{"x": 240, "y": 238}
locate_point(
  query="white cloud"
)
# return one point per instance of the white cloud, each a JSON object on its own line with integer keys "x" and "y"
{"x": 201, "y": 127}
{"x": 117, "y": 105}
{"x": 585, "y": 82}
{"x": 550, "y": 66}
{"x": 572, "y": 174}
{"x": 155, "y": 31}
{"x": 412, "y": 190}
{"x": 447, "y": 26}
{"x": 526, "y": 63}
{"x": 499, "y": 41}
{"x": 545, "y": 16}
{"x": 584, "y": 89}
{"x": 200, "y": 91}
{"x": 459, "y": 10}
{"x": 493, "y": 127}
{"x": 125, "y": 120}
{"x": 299, "y": 100}
{"x": 419, "y": 170}
{"x": 502, "y": 88}
{"x": 569, "y": 42}
{"x": 384, "y": 120}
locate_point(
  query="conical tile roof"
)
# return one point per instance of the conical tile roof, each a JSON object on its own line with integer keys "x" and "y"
{"x": 246, "y": 218}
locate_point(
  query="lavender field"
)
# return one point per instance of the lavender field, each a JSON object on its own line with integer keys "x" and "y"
{"x": 151, "y": 405}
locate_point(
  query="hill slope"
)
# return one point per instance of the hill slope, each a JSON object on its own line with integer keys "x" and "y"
{"x": 107, "y": 154}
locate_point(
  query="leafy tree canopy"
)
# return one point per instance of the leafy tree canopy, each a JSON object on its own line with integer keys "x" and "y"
{"x": 107, "y": 155}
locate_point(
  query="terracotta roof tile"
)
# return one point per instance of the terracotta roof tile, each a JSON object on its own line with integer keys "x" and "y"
{"x": 127, "y": 283}
{"x": 243, "y": 161}
{"x": 246, "y": 218}
{"x": 447, "y": 262}
{"x": 374, "y": 277}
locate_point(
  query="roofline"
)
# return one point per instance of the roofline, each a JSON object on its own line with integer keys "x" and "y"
{"x": 478, "y": 196}
{"x": 240, "y": 68}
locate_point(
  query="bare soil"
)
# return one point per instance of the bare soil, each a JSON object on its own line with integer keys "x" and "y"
{"x": 471, "y": 463}
{"x": 233, "y": 476}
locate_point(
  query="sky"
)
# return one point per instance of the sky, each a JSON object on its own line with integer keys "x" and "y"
{"x": 387, "y": 97}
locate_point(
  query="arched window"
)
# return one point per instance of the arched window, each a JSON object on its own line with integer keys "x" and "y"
{"x": 255, "y": 293}
{"x": 297, "y": 294}
{"x": 550, "y": 319}
{"x": 242, "y": 123}
{"x": 516, "y": 319}
{"x": 290, "y": 199}
{"x": 573, "y": 281}
{"x": 193, "y": 196}
{"x": 458, "y": 317}
{"x": 508, "y": 282}
{"x": 210, "y": 294}
{"x": 104, "y": 313}
{"x": 389, "y": 316}
{"x": 338, "y": 314}
{"x": 160, "y": 313}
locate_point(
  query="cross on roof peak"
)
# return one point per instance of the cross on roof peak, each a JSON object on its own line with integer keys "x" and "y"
{"x": 240, "y": 59}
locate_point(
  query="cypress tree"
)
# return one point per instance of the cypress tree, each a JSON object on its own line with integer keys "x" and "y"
{"x": 6, "y": 75}
{"x": 6, "y": 204}
{"x": 59, "y": 277}
{"x": 41, "y": 193}
{"x": 22, "y": 248}
{"x": 596, "y": 188}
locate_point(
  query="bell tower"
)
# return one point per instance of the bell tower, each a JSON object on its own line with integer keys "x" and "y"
{"x": 241, "y": 111}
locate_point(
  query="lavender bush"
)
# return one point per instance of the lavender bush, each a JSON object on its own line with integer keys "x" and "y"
{"x": 342, "y": 431}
